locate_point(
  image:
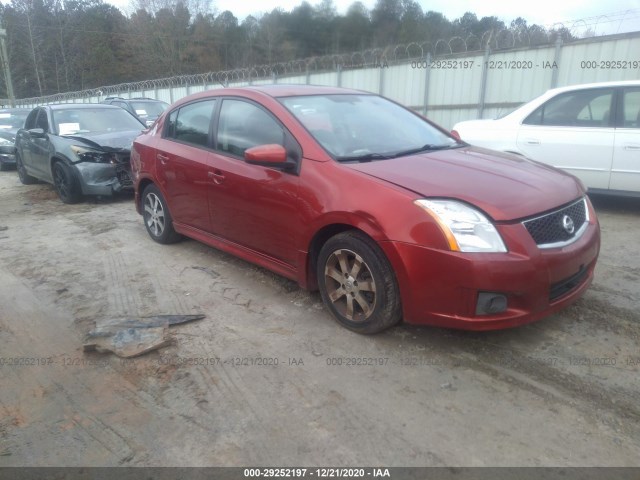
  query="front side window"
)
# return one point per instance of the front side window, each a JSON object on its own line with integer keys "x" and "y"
{"x": 354, "y": 126}
{"x": 584, "y": 108}
{"x": 631, "y": 108}
{"x": 30, "y": 122}
{"x": 191, "y": 123}
{"x": 243, "y": 125}
{"x": 42, "y": 122}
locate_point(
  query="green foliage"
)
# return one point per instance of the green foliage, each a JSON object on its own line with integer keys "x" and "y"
{"x": 66, "y": 45}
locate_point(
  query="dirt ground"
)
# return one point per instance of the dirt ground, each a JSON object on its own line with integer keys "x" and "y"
{"x": 268, "y": 378}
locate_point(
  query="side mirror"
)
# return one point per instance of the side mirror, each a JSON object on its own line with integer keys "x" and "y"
{"x": 37, "y": 133}
{"x": 271, "y": 155}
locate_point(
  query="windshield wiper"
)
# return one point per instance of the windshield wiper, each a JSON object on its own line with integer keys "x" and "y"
{"x": 426, "y": 148}
{"x": 367, "y": 157}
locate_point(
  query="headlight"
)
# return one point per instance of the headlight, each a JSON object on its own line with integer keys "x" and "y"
{"x": 466, "y": 229}
{"x": 86, "y": 154}
{"x": 5, "y": 143}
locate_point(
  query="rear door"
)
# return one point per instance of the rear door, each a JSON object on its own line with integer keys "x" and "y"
{"x": 625, "y": 171}
{"x": 573, "y": 131}
{"x": 183, "y": 160}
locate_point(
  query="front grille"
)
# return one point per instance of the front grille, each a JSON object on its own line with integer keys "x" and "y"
{"x": 568, "y": 284}
{"x": 553, "y": 229}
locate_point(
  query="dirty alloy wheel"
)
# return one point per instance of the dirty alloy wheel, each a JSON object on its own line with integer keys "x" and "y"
{"x": 157, "y": 218}
{"x": 65, "y": 183}
{"x": 24, "y": 177}
{"x": 358, "y": 284}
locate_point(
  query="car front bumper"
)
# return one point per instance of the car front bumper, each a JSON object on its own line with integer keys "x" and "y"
{"x": 442, "y": 288}
{"x": 103, "y": 178}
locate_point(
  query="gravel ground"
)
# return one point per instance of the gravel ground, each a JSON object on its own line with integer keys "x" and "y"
{"x": 268, "y": 378}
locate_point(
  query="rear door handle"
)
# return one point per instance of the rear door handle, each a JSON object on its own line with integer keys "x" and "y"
{"x": 632, "y": 146}
{"x": 217, "y": 176}
{"x": 532, "y": 141}
{"x": 163, "y": 158}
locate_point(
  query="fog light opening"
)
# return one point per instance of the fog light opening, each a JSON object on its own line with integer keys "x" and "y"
{"x": 491, "y": 303}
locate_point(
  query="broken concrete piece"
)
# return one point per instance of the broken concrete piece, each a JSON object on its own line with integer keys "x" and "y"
{"x": 129, "y": 337}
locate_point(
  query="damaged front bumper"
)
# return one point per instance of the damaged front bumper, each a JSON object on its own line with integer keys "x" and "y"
{"x": 104, "y": 178}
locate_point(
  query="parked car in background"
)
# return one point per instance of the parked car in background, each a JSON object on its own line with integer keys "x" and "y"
{"x": 382, "y": 211}
{"x": 82, "y": 149}
{"x": 145, "y": 109}
{"x": 591, "y": 131}
{"x": 11, "y": 119}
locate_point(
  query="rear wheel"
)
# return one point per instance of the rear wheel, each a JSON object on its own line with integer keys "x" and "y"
{"x": 65, "y": 183}
{"x": 358, "y": 284}
{"x": 157, "y": 218}
{"x": 24, "y": 177}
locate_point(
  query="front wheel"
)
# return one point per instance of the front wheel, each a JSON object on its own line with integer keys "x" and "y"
{"x": 358, "y": 284}
{"x": 65, "y": 183}
{"x": 157, "y": 218}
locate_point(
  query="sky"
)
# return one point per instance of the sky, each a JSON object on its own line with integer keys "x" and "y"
{"x": 603, "y": 16}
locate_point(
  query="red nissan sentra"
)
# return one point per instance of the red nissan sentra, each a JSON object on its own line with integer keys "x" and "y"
{"x": 384, "y": 212}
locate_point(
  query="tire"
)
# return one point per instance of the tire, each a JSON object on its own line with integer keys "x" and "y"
{"x": 24, "y": 177}
{"x": 157, "y": 218}
{"x": 357, "y": 283}
{"x": 65, "y": 183}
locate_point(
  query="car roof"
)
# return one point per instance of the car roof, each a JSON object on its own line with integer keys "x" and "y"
{"x": 69, "y": 106}
{"x": 584, "y": 86}
{"x": 292, "y": 90}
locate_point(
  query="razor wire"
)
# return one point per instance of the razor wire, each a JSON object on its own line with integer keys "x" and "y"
{"x": 496, "y": 40}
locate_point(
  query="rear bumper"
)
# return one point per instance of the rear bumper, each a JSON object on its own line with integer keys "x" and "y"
{"x": 441, "y": 288}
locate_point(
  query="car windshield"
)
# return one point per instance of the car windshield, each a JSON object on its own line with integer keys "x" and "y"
{"x": 75, "y": 121}
{"x": 149, "y": 109}
{"x": 13, "y": 120}
{"x": 365, "y": 127}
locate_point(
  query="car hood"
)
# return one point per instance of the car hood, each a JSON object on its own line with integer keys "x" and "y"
{"x": 107, "y": 141}
{"x": 504, "y": 186}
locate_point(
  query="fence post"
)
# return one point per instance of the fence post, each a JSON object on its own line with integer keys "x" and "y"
{"x": 483, "y": 82}
{"x": 381, "y": 82}
{"x": 556, "y": 59}
{"x": 339, "y": 77}
{"x": 426, "y": 82}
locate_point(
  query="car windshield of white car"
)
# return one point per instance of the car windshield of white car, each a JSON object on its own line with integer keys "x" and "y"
{"x": 353, "y": 127}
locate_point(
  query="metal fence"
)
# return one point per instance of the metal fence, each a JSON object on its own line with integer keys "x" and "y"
{"x": 463, "y": 78}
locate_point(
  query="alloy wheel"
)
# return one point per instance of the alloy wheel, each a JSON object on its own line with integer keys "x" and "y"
{"x": 350, "y": 285}
{"x": 154, "y": 214}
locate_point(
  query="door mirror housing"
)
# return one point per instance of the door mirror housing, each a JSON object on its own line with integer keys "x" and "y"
{"x": 37, "y": 132}
{"x": 271, "y": 155}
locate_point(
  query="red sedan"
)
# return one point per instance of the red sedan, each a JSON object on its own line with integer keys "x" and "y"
{"x": 384, "y": 212}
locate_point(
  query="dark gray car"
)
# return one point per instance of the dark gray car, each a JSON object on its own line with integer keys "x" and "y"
{"x": 11, "y": 119}
{"x": 147, "y": 110}
{"x": 82, "y": 149}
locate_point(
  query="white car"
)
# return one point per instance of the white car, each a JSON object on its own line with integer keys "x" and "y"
{"x": 591, "y": 131}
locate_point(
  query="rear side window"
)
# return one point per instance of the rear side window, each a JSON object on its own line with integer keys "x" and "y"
{"x": 191, "y": 123}
{"x": 243, "y": 125}
{"x": 584, "y": 108}
{"x": 42, "y": 122}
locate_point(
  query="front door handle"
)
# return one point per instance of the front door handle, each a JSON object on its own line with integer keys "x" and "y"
{"x": 217, "y": 176}
{"x": 532, "y": 141}
{"x": 163, "y": 158}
